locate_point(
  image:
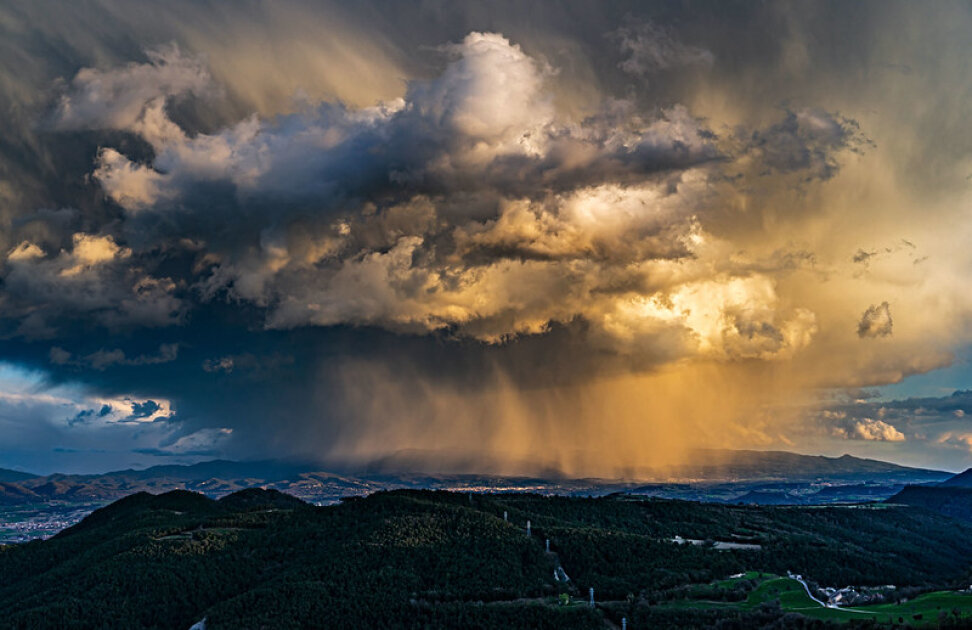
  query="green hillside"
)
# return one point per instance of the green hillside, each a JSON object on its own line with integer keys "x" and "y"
{"x": 7, "y": 476}
{"x": 948, "y": 609}
{"x": 954, "y": 501}
{"x": 422, "y": 559}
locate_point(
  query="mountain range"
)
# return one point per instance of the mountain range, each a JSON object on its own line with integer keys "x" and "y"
{"x": 719, "y": 474}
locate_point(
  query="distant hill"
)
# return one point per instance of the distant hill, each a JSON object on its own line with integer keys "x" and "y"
{"x": 782, "y": 465}
{"x": 7, "y": 476}
{"x": 804, "y": 494}
{"x": 708, "y": 465}
{"x": 436, "y": 560}
{"x": 214, "y": 478}
{"x": 264, "y": 470}
{"x": 961, "y": 480}
{"x": 259, "y": 499}
{"x": 951, "y": 501}
{"x": 14, "y": 494}
{"x": 952, "y": 497}
{"x": 221, "y": 477}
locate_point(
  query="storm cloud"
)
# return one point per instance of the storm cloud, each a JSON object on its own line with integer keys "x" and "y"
{"x": 466, "y": 205}
{"x": 564, "y": 236}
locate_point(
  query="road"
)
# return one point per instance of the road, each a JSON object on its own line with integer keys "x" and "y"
{"x": 799, "y": 579}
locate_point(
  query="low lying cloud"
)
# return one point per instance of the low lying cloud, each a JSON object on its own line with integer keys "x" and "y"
{"x": 103, "y": 359}
{"x": 956, "y": 440}
{"x": 202, "y": 443}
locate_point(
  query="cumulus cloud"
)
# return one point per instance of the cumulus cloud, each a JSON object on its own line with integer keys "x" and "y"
{"x": 869, "y": 429}
{"x": 467, "y": 206}
{"x": 94, "y": 277}
{"x": 485, "y": 123}
{"x": 925, "y": 412}
{"x": 936, "y": 426}
{"x": 130, "y": 410}
{"x": 725, "y": 318}
{"x": 875, "y": 322}
{"x": 133, "y": 97}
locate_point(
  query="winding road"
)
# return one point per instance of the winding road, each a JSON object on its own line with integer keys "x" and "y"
{"x": 799, "y": 579}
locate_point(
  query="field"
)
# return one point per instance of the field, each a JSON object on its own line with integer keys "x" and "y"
{"x": 923, "y": 610}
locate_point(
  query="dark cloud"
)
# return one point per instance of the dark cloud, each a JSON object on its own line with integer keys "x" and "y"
{"x": 648, "y": 48}
{"x": 161, "y": 452}
{"x": 144, "y": 410}
{"x": 806, "y": 142}
{"x": 81, "y": 416}
{"x": 95, "y": 279}
{"x": 875, "y": 322}
{"x": 103, "y": 359}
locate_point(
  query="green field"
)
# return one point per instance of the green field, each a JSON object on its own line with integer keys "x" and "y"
{"x": 923, "y": 610}
{"x": 929, "y": 605}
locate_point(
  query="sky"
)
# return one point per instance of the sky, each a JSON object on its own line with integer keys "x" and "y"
{"x": 583, "y": 237}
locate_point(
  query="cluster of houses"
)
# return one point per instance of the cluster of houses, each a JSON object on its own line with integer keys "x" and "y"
{"x": 856, "y": 595}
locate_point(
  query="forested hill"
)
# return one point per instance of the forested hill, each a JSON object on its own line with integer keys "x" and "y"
{"x": 13, "y": 476}
{"x": 952, "y": 497}
{"x": 954, "y": 501}
{"x": 961, "y": 480}
{"x": 423, "y": 559}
